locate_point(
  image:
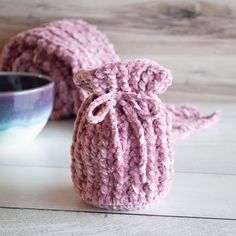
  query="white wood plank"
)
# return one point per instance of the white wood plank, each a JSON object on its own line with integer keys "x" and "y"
{"x": 33, "y": 222}
{"x": 218, "y": 158}
{"x": 50, "y": 148}
{"x": 200, "y": 195}
{"x": 209, "y": 151}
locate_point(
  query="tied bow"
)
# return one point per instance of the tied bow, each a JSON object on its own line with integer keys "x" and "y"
{"x": 128, "y": 100}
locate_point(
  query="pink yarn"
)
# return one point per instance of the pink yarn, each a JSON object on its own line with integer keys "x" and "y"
{"x": 55, "y": 49}
{"x": 122, "y": 151}
{"x": 187, "y": 120}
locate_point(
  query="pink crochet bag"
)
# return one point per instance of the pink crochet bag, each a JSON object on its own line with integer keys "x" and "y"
{"x": 122, "y": 151}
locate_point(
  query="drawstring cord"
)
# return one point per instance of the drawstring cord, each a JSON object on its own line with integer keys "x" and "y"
{"x": 111, "y": 99}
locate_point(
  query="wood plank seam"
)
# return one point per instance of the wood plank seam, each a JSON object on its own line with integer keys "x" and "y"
{"x": 121, "y": 213}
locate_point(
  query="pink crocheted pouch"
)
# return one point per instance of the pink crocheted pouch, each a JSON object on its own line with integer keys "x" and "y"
{"x": 122, "y": 154}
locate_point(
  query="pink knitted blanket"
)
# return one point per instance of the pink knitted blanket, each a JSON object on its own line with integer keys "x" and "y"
{"x": 55, "y": 49}
{"x": 122, "y": 150}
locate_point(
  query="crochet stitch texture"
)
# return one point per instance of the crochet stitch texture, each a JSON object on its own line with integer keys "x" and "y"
{"x": 55, "y": 49}
{"x": 122, "y": 150}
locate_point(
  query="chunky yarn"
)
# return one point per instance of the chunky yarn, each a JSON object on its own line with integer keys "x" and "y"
{"x": 56, "y": 49}
{"x": 122, "y": 150}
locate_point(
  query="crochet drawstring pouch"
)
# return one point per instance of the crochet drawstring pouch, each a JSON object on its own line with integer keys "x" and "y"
{"x": 122, "y": 150}
{"x": 56, "y": 49}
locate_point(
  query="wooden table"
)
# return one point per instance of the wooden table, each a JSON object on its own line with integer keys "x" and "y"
{"x": 36, "y": 194}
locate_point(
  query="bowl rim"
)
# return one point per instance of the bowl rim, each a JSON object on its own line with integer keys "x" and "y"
{"x": 27, "y": 91}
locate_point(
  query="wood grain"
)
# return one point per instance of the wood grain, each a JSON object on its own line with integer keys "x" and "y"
{"x": 32, "y": 222}
{"x": 195, "y": 39}
{"x": 192, "y": 195}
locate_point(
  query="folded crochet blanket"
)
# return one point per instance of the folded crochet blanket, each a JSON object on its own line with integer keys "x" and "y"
{"x": 55, "y": 49}
{"x": 122, "y": 150}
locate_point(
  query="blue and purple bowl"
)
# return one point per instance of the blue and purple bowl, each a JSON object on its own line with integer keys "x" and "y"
{"x": 26, "y": 102}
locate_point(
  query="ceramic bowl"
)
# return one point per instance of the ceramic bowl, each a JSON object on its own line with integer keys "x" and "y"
{"x": 26, "y": 102}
